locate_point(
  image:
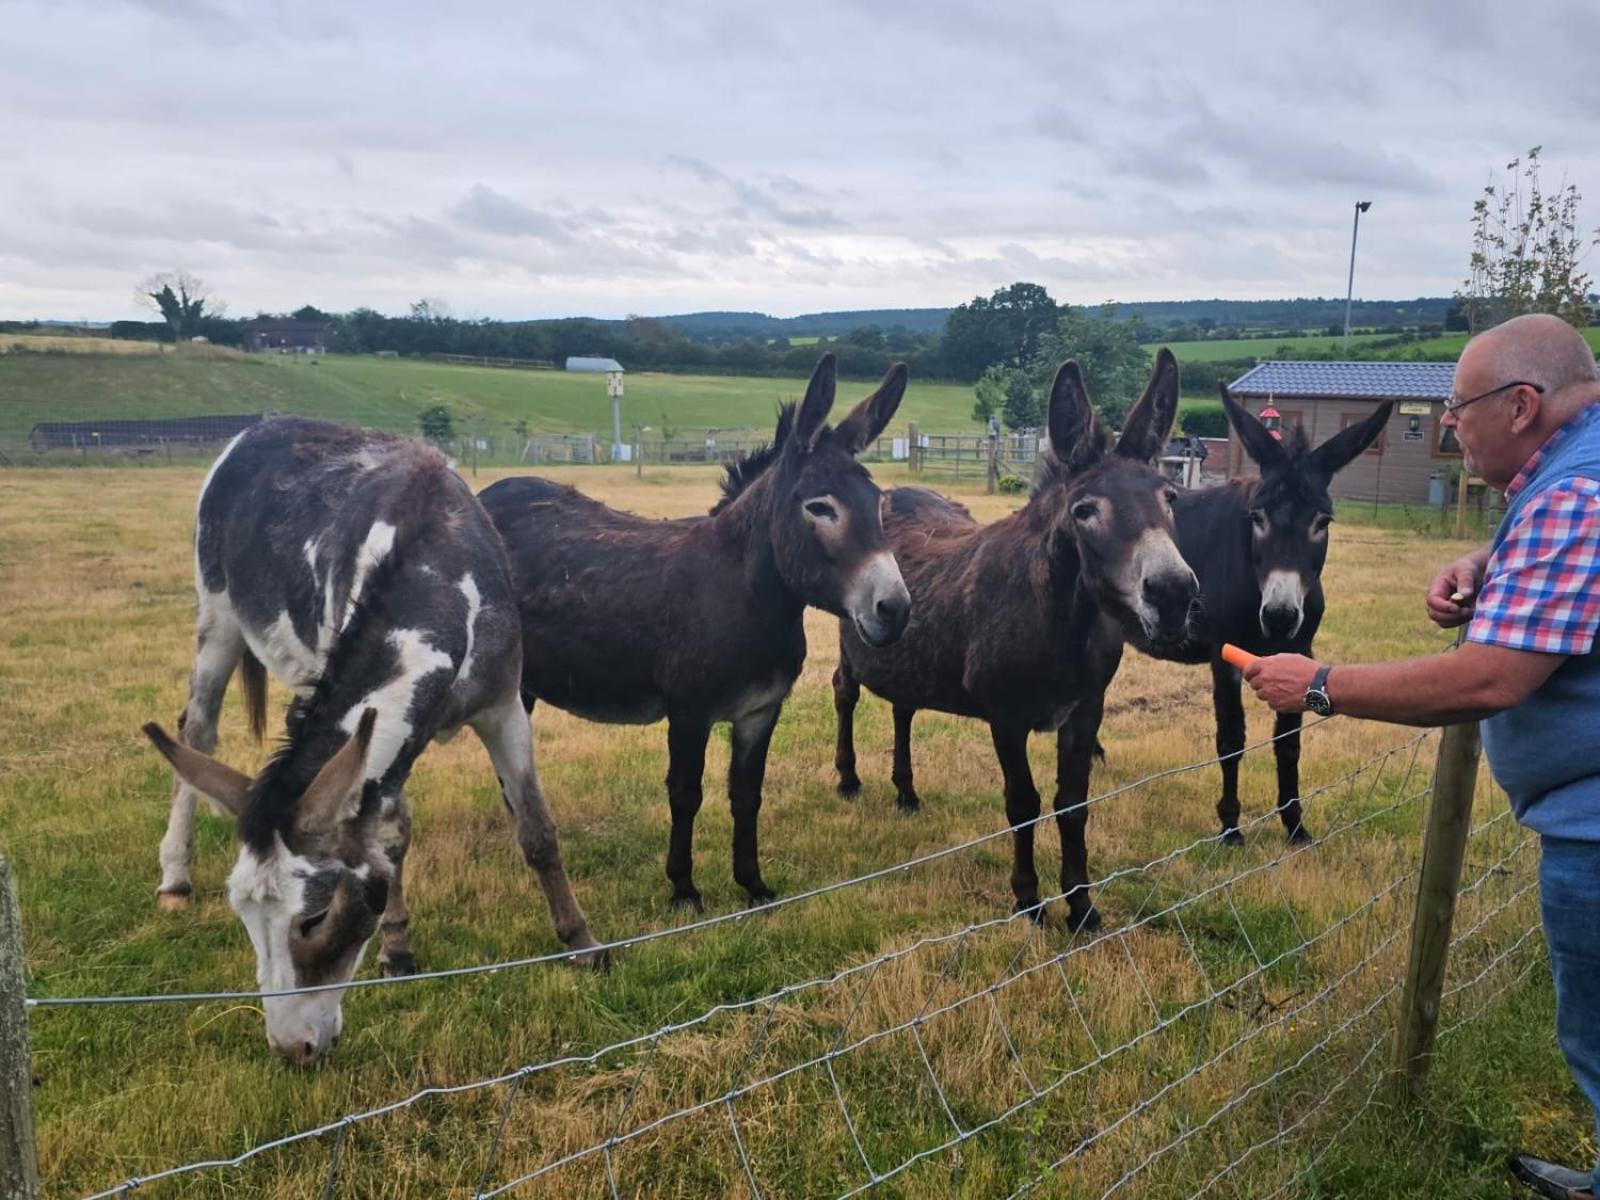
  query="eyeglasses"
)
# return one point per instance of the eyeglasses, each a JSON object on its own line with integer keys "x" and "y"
{"x": 1455, "y": 403}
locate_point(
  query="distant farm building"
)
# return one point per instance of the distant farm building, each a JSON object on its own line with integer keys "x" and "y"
{"x": 120, "y": 434}
{"x": 287, "y": 336}
{"x": 1325, "y": 397}
{"x": 597, "y": 366}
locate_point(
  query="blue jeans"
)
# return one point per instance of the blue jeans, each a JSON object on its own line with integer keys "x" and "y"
{"x": 1569, "y": 895}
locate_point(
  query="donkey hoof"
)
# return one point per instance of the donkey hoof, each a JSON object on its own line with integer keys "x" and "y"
{"x": 398, "y": 964}
{"x": 174, "y": 900}
{"x": 908, "y": 801}
{"x": 1089, "y": 922}
{"x": 1232, "y": 837}
{"x": 850, "y": 785}
{"x": 597, "y": 959}
{"x": 761, "y": 894}
{"x": 1299, "y": 837}
{"x": 688, "y": 902}
{"x": 1034, "y": 911}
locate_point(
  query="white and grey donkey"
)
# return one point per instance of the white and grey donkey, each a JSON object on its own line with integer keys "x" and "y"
{"x": 362, "y": 572}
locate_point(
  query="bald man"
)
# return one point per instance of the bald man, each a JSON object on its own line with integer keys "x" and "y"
{"x": 1523, "y": 406}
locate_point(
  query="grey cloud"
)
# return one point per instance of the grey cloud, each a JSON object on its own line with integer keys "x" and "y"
{"x": 487, "y": 210}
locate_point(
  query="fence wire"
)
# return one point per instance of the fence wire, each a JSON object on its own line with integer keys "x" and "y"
{"x": 1237, "y": 1001}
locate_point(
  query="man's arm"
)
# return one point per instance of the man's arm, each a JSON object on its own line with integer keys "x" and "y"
{"x": 1476, "y": 681}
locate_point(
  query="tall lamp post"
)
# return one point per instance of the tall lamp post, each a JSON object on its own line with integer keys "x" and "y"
{"x": 1350, "y": 288}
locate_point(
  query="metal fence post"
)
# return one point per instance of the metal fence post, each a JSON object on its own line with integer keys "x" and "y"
{"x": 1444, "y": 846}
{"x": 19, "y": 1160}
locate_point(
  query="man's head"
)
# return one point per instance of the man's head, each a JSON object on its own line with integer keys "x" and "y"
{"x": 1515, "y": 385}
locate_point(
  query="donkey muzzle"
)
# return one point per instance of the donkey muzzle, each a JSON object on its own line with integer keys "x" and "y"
{"x": 878, "y": 603}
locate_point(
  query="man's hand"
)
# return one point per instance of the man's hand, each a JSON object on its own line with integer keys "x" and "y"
{"x": 1460, "y": 579}
{"x": 1281, "y": 680}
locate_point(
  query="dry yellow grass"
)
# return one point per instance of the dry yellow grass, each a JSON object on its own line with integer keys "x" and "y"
{"x": 96, "y": 591}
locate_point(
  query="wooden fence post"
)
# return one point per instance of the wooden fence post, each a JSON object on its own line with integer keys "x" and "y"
{"x": 914, "y": 451}
{"x": 1444, "y": 846}
{"x": 19, "y": 1160}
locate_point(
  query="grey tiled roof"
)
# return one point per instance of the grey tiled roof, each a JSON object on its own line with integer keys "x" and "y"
{"x": 1360, "y": 380}
{"x": 593, "y": 364}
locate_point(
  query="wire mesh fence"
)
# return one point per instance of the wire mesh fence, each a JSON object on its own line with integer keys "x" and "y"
{"x": 1217, "y": 1038}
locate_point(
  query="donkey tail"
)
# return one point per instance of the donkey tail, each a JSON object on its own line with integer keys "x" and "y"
{"x": 253, "y": 678}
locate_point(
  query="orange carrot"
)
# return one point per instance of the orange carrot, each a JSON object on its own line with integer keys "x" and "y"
{"x": 1236, "y": 657}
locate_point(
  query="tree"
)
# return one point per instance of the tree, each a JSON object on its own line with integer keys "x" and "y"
{"x": 1114, "y": 364}
{"x": 310, "y": 312}
{"x": 990, "y": 393}
{"x": 1002, "y": 328}
{"x": 436, "y": 424}
{"x": 1526, "y": 251}
{"x": 1023, "y": 407}
{"x": 182, "y": 299}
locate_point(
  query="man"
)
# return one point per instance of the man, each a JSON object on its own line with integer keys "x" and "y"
{"x": 1524, "y": 408}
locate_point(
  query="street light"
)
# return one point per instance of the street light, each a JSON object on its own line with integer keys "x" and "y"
{"x": 1350, "y": 289}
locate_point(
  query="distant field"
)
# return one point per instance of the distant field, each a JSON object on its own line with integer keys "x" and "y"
{"x": 388, "y": 393}
{"x": 1214, "y": 351}
{"x": 44, "y": 343}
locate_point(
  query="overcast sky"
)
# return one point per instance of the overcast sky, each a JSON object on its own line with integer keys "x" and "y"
{"x": 524, "y": 159}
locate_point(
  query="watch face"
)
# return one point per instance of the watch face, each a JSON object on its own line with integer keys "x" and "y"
{"x": 1318, "y": 702}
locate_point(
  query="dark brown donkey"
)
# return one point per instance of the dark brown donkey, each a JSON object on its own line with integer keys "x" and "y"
{"x": 1021, "y": 622}
{"x": 628, "y": 620}
{"x": 1259, "y": 546}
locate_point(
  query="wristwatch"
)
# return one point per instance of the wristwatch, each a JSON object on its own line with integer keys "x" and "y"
{"x": 1316, "y": 698}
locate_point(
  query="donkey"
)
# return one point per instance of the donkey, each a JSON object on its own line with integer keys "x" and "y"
{"x": 1021, "y": 623}
{"x": 358, "y": 568}
{"x": 1259, "y": 546}
{"x": 628, "y": 620}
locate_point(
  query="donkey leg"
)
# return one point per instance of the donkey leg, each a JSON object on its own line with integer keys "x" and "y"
{"x": 508, "y": 736}
{"x": 1075, "y": 749}
{"x": 394, "y": 835}
{"x": 219, "y": 645}
{"x": 1022, "y": 805}
{"x": 1287, "y": 751}
{"x": 686, "y": 764}
{"x": 846, "y": 695}
{"x": 747, "y": 770}
{"x": 1229, "y": 707}
{"x": 905, "y": 791}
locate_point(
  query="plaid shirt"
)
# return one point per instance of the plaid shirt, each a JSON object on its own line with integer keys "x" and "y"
{"x": 1541, "y": 590}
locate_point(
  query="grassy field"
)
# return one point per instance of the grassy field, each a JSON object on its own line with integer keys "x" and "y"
{"x": 1230, "y": 348}
{"x": 389, "y": 393}
{"x": 96, "y": 589}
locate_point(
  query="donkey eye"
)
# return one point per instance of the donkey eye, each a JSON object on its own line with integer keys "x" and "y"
{"x": 821, "y": 510}
{"x": 1085, "y": 510}
{"x": 1171, "y": 495}
{"x": 1258, "y": 518}
{"x": 1320, "y": 525}
{"x": 309, "y": 925}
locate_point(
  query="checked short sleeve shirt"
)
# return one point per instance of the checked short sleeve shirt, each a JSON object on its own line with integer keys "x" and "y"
{"x": 1541, "y": 590}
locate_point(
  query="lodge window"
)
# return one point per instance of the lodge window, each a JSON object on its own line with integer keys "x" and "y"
{"x": 1348, "y": 419}
{"x": 1445, "y": 444}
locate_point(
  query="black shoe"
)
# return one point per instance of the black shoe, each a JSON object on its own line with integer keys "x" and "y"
{"x": 1550, "y": 1180}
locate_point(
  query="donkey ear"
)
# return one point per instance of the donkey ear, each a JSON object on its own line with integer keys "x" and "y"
{"x": 334, "y": 796}
{"x": 205, "y": 774}
{"x": 1342, "y": 449}
{"x": 1149, "y": 424}
{"x": 1258, "y": 441}
{"x": 1074, "y": 432}
{"x": 818, "y": 403}
{"x": 869, "y": 418}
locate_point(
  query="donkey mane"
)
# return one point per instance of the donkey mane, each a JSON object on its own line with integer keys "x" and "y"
{"x": 1058, "y": 472}
{"x": 747, "y": 468}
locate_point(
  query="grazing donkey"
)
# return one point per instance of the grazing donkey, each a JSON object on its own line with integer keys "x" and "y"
{"x": 1021, "y": 622}
{"x": 628, "y": 620}
{"x": 361, "y": 571}
{"x": 1259, "y": 546}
